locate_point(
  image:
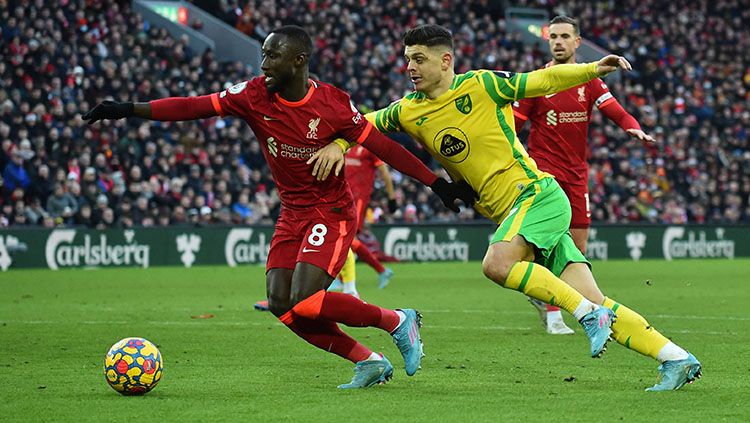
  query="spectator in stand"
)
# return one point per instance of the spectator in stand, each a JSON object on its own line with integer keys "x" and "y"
{"x": 59, "y": 60}
{"x": 61, "y": 205}
{"x": 14, "y": 174}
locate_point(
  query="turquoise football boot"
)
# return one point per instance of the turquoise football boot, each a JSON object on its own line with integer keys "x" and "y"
{"x": 598, "y": 327}
{"x": 370, "y": 372}
{"x": 676, "y": 373}
{"x": 336, "y": 285}
{"x": 409, "y": 342}
{"x": 384, "y": 278}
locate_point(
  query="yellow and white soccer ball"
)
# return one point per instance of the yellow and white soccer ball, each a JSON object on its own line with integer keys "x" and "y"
{"x": 133, "y": 366}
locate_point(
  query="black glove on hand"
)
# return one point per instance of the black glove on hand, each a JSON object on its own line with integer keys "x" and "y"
{"x": 449, "y": 192}
{"x": 109, "y": 110}
{"x": 466, "y": 193}
{"x": 392, "y": 205}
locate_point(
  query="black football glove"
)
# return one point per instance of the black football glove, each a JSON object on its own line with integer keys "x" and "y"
{"x": 466, "y": 193}
{"x": 109, "y": 110}
{"x": 449, "y": 192}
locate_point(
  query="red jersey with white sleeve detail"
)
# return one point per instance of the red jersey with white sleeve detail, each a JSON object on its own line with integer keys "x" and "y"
{"x": 291, "y": 132}
{"x": 361, "y": 165}
{"x": 558, "y": 139}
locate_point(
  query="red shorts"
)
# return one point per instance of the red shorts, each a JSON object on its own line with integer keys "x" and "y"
{"x": 316, "y": 236}
{"x": 579, "y": 204}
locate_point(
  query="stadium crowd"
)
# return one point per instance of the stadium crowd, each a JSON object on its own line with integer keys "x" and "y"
{"x": 689, "y": 88}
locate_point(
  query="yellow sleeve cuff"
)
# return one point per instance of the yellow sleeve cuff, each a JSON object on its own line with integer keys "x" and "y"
{"x": 344, "y": 144}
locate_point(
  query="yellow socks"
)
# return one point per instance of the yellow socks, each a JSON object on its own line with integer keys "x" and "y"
{"x": 630, "y": 328}
{"x": 348, "y": 272}
{"x": 348, "y": 275}
{"x": 634, "y": 332}
{"x": 538, "y": 282}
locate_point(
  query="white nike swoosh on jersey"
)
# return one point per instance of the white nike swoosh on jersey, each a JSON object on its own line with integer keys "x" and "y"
{"x": 549, "y": 95}
{"x": 308, "y": 250}
{"x": 268, "y": 118}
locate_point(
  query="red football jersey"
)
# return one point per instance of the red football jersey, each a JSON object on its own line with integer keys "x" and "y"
{"x": 360, "y": 171}
{"x": 290, "y": 132}
{"x": 558, "y": 139}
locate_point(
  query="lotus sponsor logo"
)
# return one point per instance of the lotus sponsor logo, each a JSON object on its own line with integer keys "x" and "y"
{"x": 425, "y": 246}
{"x": 453, "y": 144}
{"x": 240, "y": 248}
{"x": 679, "y": 242}
{"x": 61, "y": 250}
{"x": 595, "y": 248}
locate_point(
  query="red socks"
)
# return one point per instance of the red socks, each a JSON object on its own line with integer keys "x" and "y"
{"x": 346, "y": 309}
{"x": 314, "y": 320}
{"x": 366, "y": 255}
{"x": 327, "y": 336}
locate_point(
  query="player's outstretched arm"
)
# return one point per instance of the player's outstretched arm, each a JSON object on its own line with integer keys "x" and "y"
{"x": 558, "y": 78}
{"x": 166, "y": 109}
{"x": 331, "y": 157}
{"x": 613, "y": 110}
{"x": 402, "y": 160}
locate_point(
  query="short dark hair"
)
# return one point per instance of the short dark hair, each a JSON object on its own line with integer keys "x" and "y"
{"x": 300, "y": 38}
{"x": 429, "y": 35}
{"x": 562, "y": 19}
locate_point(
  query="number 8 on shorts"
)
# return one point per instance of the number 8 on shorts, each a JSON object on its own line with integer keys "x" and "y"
{"x": 318, "y": 235}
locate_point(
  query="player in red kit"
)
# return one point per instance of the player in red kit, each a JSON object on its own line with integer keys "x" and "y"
{"x": 294, "y": 116}
{"x": 558, "y": 140}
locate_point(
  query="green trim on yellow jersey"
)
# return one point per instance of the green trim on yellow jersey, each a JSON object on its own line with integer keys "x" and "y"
{"x": 510, "y": 134}
{"x": 460, "y": 79}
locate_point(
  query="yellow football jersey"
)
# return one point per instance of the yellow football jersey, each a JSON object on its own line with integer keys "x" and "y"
{"x": 469, "y": 129}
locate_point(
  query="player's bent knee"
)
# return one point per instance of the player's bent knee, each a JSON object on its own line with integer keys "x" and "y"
{"x": 495, "y": 269}
{"x": 278, "y": 307}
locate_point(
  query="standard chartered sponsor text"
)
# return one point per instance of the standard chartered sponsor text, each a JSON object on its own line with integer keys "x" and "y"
{"x": 294, "y": 152}
{"x": 572, "y": 117}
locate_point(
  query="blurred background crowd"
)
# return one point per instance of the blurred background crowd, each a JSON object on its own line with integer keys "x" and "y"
{"x": 689, "y": 89}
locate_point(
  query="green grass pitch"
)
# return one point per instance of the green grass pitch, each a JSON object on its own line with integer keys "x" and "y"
{"x": 487, "y": 357}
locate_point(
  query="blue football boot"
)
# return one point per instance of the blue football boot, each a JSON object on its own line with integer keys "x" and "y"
{"x": 384, "y": 278}
{"x": 407, "y": 339}
{"x": 370, "y": 372}
{"x": 598, "y": 327}
{"x": 336, "y": 285}
{"x": 676, "y": 373}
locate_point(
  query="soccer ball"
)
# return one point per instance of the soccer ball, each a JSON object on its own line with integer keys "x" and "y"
{"x": 133, "y": 366}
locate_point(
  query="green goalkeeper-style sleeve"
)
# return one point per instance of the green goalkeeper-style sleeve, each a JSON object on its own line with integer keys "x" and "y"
{"x": 507, "y": 87}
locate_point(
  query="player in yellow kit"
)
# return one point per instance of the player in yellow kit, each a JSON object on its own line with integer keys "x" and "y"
{"x": 466, "y": 122}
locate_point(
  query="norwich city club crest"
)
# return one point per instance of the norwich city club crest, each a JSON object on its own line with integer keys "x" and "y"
{"x": 463, "y": 104}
